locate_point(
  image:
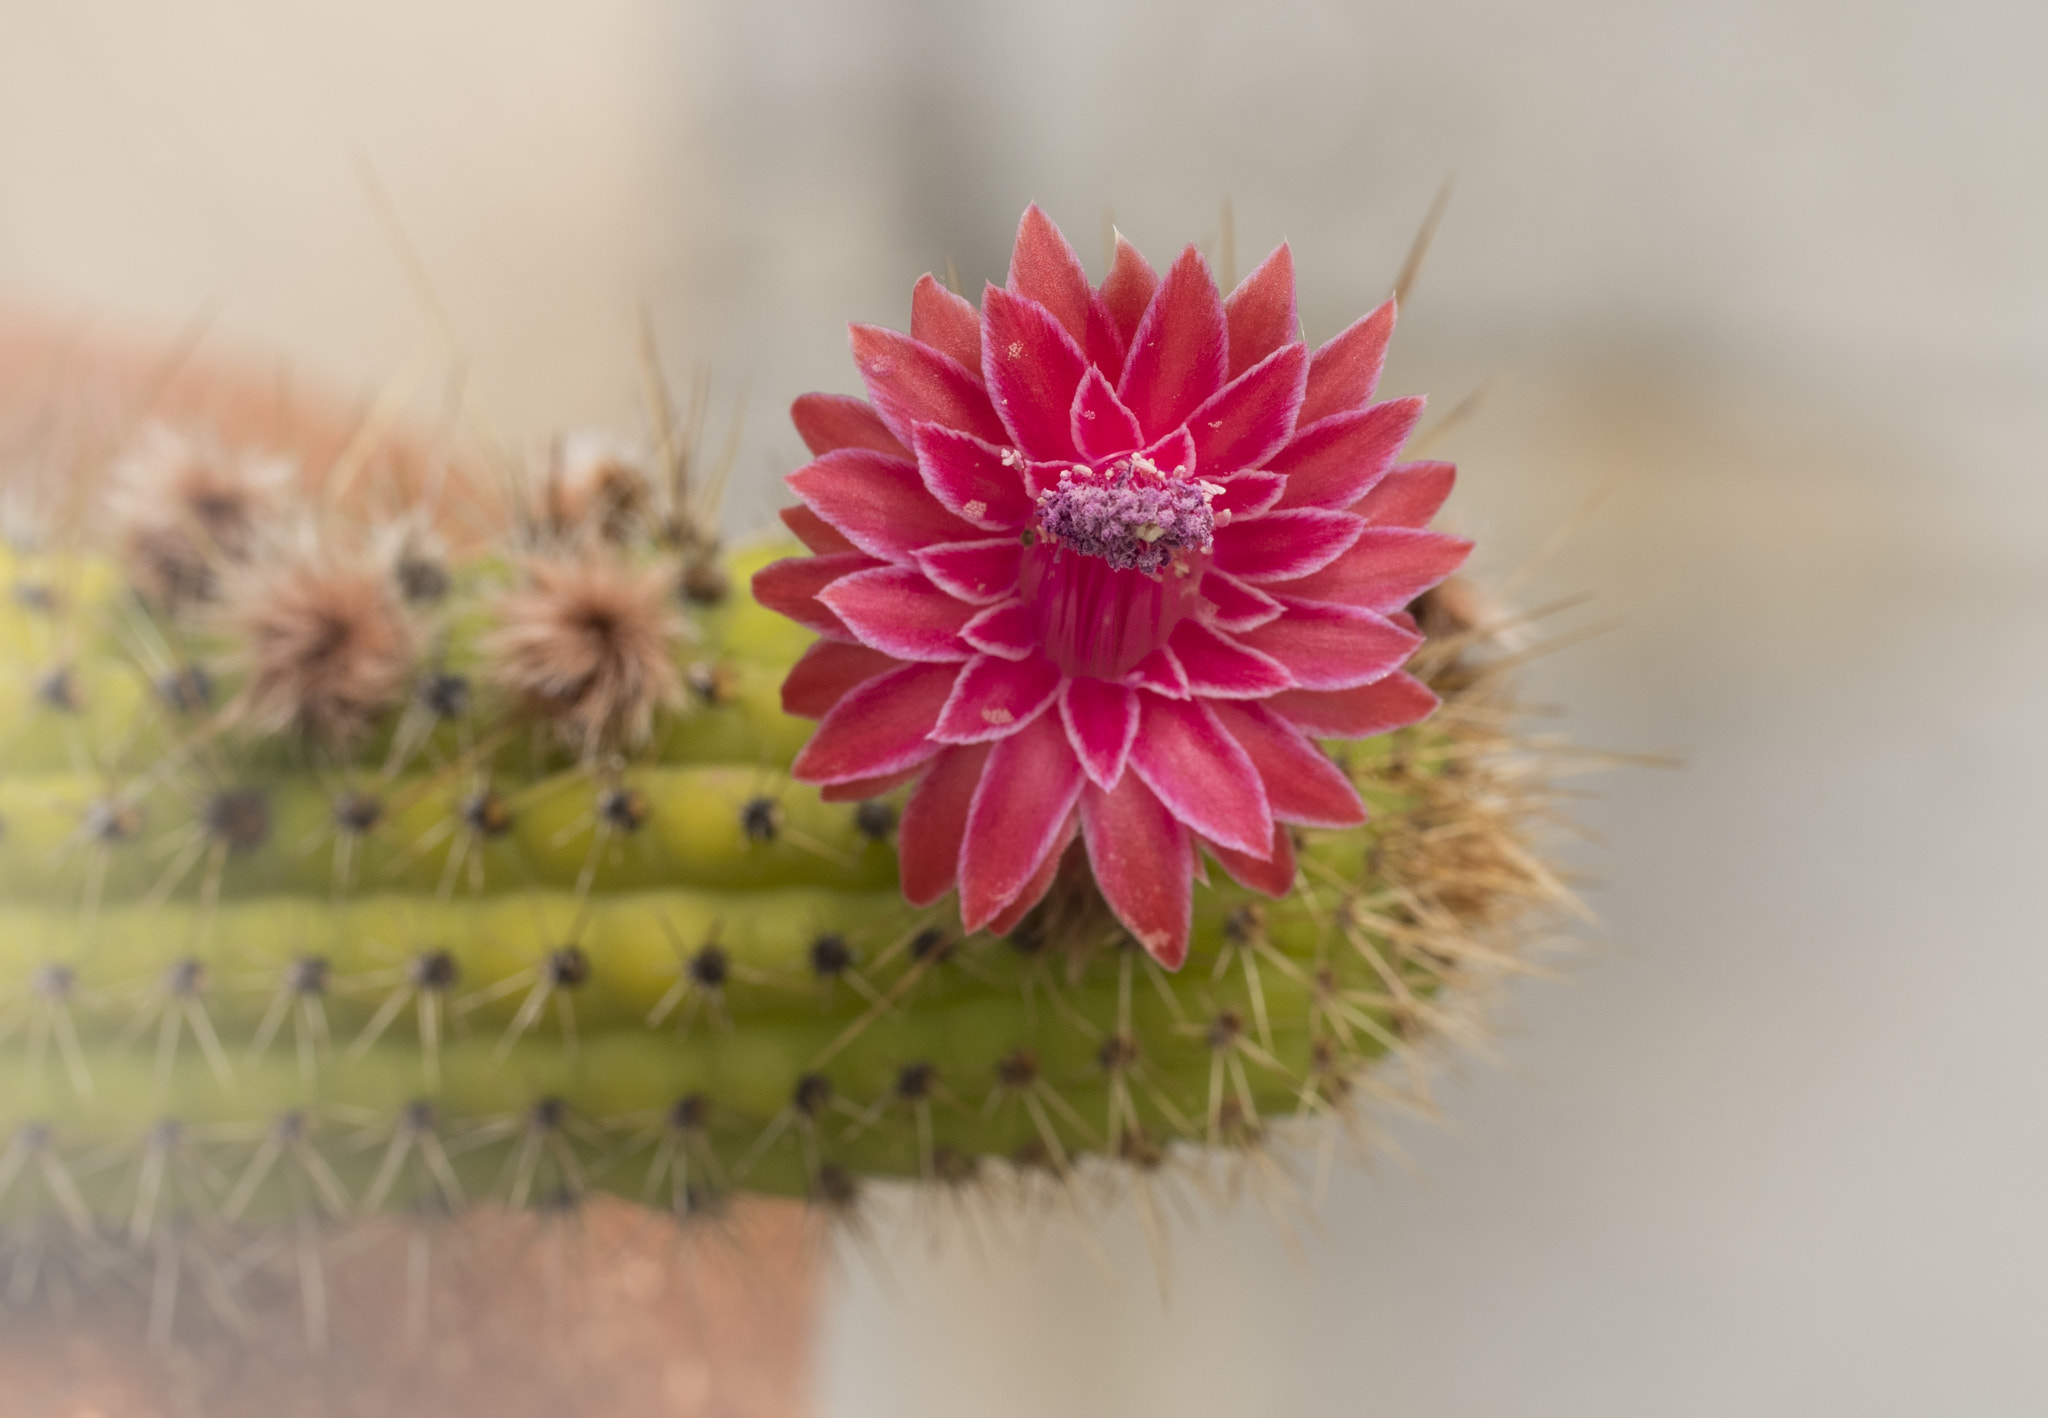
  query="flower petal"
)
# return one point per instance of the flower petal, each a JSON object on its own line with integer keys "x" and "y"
{"x": 947, "y": 322}
{"x": 1334, "y": 462}
{"x": 970, "y": 478}
{"x": 1019, "y": 812}
{"x": 1160, "y": 673}
{"x": 1005, "y": 630}
{"x": 1260, "y": 312}
{"x": 934, "y": 821}
{"x": 978, "y": 572}
{"x": 1101, "y": 425}
{"x": 1219, "y": 668}
{"x": 901, "y": 613}
{"x": 1175, "y": 453}
{"x": 1005, "y": 920}
{"x": 879, "y": 502}
{"x": 1282, "y": 546}
{"x": 1302, "y": 785}
{"x": 912, "y": 383}
{"x": 814, "y": 531}
{"x": 829, "y": 421}
{"x": 1385, "y": 569}
{"x": 1144, "y": 864}
{"x": 1344, "y": 372}
{"x": 1235, "y": 605}
{"x": 827, "y": 672}
{"x": 1033, "y": 368}
{"x": 1201, "y": 773}
{"x": 1247, "y": 495}
{"x": 1177, "y": 353}
{"x": 994, "y": 698}
{"x": 1271, "y": 876}
{"x": 1251, "y": 416}
{"x": 1044, "y": 268}
{"x": 883, "y": 726}
{"x": 859, "y": 790}
{"x": 1101, "y": 720}
{"x": 791, "y": 586}
{"x": 1361, "y": 713}
{"x": 1127, "y": 289}
{"x": 1408, "y": 496}
{"x": 1334, "y": 647}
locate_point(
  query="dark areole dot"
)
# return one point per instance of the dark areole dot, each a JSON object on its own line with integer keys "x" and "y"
{"x": 112, "y": 821}
{"x": 624, "y": 809}
{"x": 187, "y": 690}
{"x": 761, "y": 820}
{"x": 308, "y": 975}
{"x": 357, "y": 812}
{"x": 1017, "y": 1069}
{"x": 710, "y": 967}
{"x": 436, "y": 970}
{"x": 916, "y": 1081}
{"x": 831, "y": 956}
{"x": 812, "y": 1094}
{"x": 59, "y": 689}
{"x": 689, "y": 1113}
{"x": 444, "y": 695}
{"x": 486, "y": 814}
{"x": 238, "y": 818}
{"x": 875, "y": 820}
{"x": 567, "y": 967}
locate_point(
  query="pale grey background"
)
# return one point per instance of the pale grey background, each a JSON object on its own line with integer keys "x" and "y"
{"x": 1776, "y": 275}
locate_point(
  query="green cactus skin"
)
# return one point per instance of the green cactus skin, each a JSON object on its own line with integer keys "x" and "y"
{"x": 242, "y": 980}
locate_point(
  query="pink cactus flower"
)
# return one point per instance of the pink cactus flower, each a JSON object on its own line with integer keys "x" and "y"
{"x": 1106, "y": 562}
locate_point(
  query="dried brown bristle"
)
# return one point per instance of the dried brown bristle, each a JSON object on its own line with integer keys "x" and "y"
{"x": 183, "y": 509}
{"x": 595, "y": 486}
{"x": 326, "y": 646}
{"x": 590, "y": 646}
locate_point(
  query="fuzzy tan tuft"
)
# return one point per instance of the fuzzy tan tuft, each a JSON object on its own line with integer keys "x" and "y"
{"x": 182, "y": 510}
{"x": 595, "y": 486}
{"x": 325, "y": 647}
{"x": 591, "y": 646}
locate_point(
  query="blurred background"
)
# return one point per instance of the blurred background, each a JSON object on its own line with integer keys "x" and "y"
{"x": 1759, "y": 294}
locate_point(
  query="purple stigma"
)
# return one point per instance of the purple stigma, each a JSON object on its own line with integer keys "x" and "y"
{"x": 1130, "y": 514}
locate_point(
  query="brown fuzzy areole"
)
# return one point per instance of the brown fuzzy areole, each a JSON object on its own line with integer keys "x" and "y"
{"x": 325, "y": 646}
{"x": 182, "y": 510}
{"x": 590, "y": 645}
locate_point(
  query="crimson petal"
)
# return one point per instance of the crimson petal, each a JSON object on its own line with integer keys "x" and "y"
{"x": 1361, "y": 713}
{"x": 1408, "y": 496}
{"x": 1144, "y": 865}
{"x": 973, "y": 479}
{"x": 1336, "y": 461}
{"x": 1005, "y": 920}
{"x": 1302, "y": 784}
{"x": 978, "y": 572}
{"x": 1033, "y": 368}
{"x": 1028, "y": 789}
{"x": 912, "y": 383}
{"x": 1260, "y": 312}
{"x": 1334, "y": 647}
{"x": 1235, "y": 605}
{"x": 829, "y": 421}
{"x": 859, "y": 790}
{"x": 1101, "y": 720}
{"x": 879, "y": 502}
{"x": 1386, "y": 568}
{"x": 883, "y": 726}
{"x": 1344, "y": 372}
{"x": 945, "y": 321}
{"x": 1201, "y": 773}
{"x": 1004, "y": 630}
{"x": 900, "y": 612}
{"x": 1282, "y": 546}
{"x": 1177, "y": 356}
{"x": 1219, "y": 668}
{"x": 791, "y": 586}
{"x": 934, "y": 821}
{"x": 1044, "y": 268}
{"x": 995, "y": 698}
{"x": 1101, "y": 425}
{"x": 1252, "y": 415}
{"x": 1271, "y": 876}
{"x": 1247, "y": 495}
{"x": 1161, "y": 673}
{"x": 814, "y": 531}
{"x": 1127, "y": 289}
{"x": 827, "y": 672}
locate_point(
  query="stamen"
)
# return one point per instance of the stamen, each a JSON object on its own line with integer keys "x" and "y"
{"x": 1130, "y": 514}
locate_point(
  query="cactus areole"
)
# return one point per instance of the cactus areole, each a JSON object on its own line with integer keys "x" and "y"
{"x": 345, "y": 873}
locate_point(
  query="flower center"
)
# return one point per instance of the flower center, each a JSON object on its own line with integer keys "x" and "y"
{"x": 1119, "y": 553}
